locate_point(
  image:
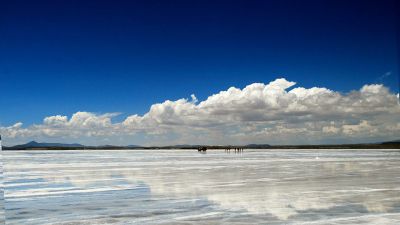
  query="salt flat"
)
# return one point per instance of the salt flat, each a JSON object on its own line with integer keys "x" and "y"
{"x": 185, "y": 187}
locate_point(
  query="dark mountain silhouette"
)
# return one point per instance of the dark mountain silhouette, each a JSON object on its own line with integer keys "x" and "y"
{"x": 257, "y": 146}
{"x": 133, "y": 146}
{"x": 391, "y": 142}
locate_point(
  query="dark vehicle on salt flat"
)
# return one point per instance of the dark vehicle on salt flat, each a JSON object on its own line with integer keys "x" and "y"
{"x": 202, "y": 149}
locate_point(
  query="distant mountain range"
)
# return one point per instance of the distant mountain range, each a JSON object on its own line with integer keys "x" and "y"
{"x": 34, "y": 144}
{"x": 63, "y": 146}
{"x": 395, "y": 144}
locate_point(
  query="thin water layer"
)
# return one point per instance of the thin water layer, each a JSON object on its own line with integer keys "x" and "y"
{"x": 186, "y": 187}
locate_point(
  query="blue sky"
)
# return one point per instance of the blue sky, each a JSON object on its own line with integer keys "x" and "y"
{"x": 61, "y": 57}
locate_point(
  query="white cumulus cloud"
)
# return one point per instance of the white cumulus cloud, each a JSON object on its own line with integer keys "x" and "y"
{"x": 277, "y": 112}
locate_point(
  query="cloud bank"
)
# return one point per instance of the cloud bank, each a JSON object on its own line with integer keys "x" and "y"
{"x": 276, "y": 113}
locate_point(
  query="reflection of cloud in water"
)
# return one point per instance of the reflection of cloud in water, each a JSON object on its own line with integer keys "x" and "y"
{"x": 285, "y": 185}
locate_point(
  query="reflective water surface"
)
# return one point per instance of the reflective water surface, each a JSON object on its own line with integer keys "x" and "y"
{"x": 186, "y": 187}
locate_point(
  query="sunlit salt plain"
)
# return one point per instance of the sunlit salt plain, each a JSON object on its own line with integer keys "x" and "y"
{"x": 1, "y": 189}
{"x": 187, "y": 187}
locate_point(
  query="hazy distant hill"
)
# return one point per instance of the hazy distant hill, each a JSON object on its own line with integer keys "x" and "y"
{"x": 34, "y": 144}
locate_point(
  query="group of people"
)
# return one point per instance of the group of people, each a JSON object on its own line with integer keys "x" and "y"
{"x": 235, "y": 149}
